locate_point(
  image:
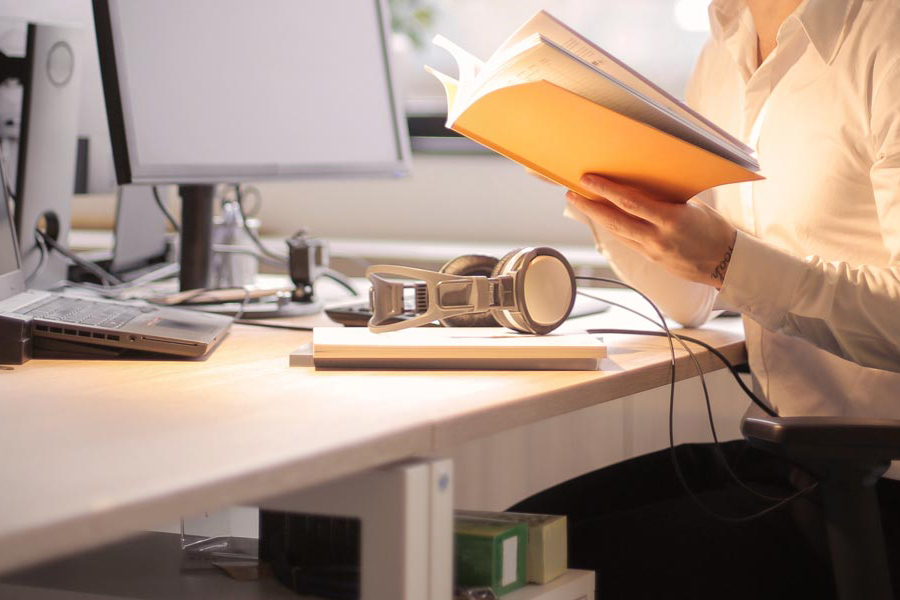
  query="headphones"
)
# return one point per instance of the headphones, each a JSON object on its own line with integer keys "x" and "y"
{"x": 531, "y": 290}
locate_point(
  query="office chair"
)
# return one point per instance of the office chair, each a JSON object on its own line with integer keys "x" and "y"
{"x": 847, "y": 456}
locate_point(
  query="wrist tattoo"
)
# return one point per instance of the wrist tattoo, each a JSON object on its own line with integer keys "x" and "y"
{"x": 718, "y": 273}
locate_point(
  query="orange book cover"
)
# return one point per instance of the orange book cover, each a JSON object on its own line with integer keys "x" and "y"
{"x": 550, "y": 110}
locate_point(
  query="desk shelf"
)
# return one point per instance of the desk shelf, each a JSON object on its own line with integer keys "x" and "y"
{"x": 147, "y": 567}
{"x": 574, "y": 584}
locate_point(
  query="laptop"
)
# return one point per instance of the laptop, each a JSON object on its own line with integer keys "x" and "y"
{"x": 65, "y": 325}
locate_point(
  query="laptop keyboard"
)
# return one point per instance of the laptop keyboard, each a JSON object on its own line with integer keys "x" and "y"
{"x": 85, "y": 312}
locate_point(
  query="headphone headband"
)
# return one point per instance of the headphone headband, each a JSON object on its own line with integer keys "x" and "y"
{"x": 531, "y": 290}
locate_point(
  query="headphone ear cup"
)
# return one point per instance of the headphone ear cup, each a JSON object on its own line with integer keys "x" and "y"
{"x": 471, "y": 265}
{"x": 501, "y": 264}
{"x": 541, "y": 276}
{"x": 498, "y": 315}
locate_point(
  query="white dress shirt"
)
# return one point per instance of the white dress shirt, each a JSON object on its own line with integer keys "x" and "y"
{"x": 816, "y": 266}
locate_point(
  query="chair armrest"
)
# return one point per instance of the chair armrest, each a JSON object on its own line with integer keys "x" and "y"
{"x": 826, "y": 438}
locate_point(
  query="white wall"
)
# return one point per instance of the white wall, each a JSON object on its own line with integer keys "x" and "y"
{"x": 477, "y": 198}
{"x": 451, "y": 198}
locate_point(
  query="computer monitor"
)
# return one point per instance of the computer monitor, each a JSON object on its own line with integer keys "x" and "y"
{"x": 49, "y": 76}
{"x": 200, "y": 92}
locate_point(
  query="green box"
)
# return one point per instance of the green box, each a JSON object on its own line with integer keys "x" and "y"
{"x": 547, "y": 541}
{"x": 490, "y": 553}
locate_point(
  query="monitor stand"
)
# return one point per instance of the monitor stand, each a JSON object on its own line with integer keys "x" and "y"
{"x": 196, "y": 236}
{"x": 195, "y": 256}
{"x": 48, "y": 138}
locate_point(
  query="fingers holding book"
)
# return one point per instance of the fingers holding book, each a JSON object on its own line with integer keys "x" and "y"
{"x": 688, "y": 239}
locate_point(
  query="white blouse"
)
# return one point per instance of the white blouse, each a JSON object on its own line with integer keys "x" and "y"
{"x": 816, "y": 267}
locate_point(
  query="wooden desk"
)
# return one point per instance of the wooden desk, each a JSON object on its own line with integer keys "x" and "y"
{"x": 95, "y": 450}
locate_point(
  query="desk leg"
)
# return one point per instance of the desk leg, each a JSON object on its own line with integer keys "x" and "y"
{"x": 406, "y": 511}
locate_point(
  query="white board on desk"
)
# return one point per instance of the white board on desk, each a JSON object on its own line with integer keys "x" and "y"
{"x": 454, "y": 348}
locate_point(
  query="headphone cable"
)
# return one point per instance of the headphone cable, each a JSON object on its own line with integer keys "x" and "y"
{"x": 676, "y": 464}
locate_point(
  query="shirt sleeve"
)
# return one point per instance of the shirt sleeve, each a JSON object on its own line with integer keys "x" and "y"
{"x": 851, "y": 311}
{"x": 688, "y": 303}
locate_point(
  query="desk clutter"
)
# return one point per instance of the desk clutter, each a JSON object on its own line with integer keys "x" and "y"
{"x": 515, "y": 556}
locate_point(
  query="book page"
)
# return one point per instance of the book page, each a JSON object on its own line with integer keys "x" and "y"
{"x": 469, "y": 66}
{"x": 501, "y": 71}
{"x": 451, "y": 88}
{"x": 573, "y": 42}
{"x": 548, "y": 62}
{"x": 474, "y": 73}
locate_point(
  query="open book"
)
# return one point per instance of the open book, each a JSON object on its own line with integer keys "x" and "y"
{"x": 551, "y": 100}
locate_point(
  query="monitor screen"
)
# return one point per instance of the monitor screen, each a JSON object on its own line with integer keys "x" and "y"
{"x": 202, "y": 91}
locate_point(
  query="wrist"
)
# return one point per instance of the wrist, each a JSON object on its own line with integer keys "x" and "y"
{"x": 720, "y": 269}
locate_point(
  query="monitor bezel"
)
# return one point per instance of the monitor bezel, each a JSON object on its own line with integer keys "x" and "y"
{"x": 124, "y": 168}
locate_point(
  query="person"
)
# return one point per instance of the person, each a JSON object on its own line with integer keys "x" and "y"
{"x": 811, "y": 258}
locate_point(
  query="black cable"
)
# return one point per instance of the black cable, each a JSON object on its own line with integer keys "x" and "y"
{"x": 115, "y": 291}
{"x": 712, "y": 350}
{"x": 253, "y": 237}
{"x": 104, "y": 276}
{"x": 274, "y": 258}
{"x": 674, "y": 455}
{"x": 165, "y": 210}
{"x": 42, "y": 248}
{"x": 250, "y": 190}
{"x": 712, "y": 423}
{"x": 341, "y": 279}
{"x": 728, "y": 364}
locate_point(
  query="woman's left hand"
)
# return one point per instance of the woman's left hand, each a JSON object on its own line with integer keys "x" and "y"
{"x": 690, "y": 240}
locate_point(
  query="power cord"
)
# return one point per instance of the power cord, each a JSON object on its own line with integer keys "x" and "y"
{"x": 339, "y": 278}
{"x": 107, "y": 278}
{"x": 165, "y": 211}
{"x": 42, "y": 264}
{"x": 712, "y": 425}
{"x": 677, "y": 466}
{"x": 115, "y": 291}
{"x": 711, "y": 349}
{"x": 282, "y": 260}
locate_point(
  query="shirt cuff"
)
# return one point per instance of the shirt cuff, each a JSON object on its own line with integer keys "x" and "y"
{"x": 573, "y": 213}
{"x": 761, "y": 281}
